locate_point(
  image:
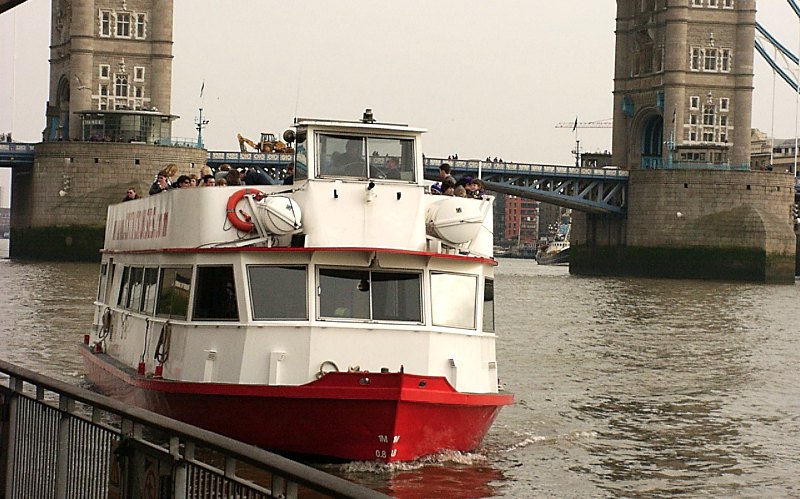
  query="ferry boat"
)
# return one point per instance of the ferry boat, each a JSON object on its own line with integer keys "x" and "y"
{"x": 348, "y": 315}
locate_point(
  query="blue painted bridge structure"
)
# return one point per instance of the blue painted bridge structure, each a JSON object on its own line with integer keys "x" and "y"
{"x": 592, "y": 190}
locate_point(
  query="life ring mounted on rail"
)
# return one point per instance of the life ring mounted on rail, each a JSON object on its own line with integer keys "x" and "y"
{"x": 243, "y": 224}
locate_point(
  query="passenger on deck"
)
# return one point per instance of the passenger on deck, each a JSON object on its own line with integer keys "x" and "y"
{"x": 256, "y": 176}
{"x": 475, "y": 189}
{"x": 161, "y": 183}
{"x": 208, "y": 181}
{"x": 444, "y": 173}
{"x": 222, "y": 172}
{"x": 448, "y": 187}
{"x": 460, "y": 191}
{"x": 131, "y": 195}
{"x": 183, "y": 182}
{"x": 222, "y": 182}
{"x": 288, "y": 179}
{"x": 233, "y": 178}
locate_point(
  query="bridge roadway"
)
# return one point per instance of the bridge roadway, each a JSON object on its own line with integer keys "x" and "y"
{"x": 592, "y": 190}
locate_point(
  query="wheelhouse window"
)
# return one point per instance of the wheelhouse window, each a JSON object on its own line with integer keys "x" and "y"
{"x": 342, "y": 156}
{"x": 453, "y": 300}
{"x": 391, "y": 159}
{"x": 365, "y": 157}
{"x": 278, "y": 292}
{"x": 370, "y": 295}
{"x": 215, "y": 294}
{"x": 488, "y": 306}
{"x": 173, "y": 292}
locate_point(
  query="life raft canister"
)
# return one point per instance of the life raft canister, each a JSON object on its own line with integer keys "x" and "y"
{"x": 244, "y": 225}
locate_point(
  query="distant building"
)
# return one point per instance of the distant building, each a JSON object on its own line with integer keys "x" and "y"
{"x": 768, "y": 156}
{"x": 596, "y": 159}
{"x": 521, "y": 220}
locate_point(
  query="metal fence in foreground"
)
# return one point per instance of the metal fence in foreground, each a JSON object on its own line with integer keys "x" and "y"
{"x": 61, "y": 441}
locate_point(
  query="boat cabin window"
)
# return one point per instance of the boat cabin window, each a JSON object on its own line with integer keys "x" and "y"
{"x": 278, "y": 292}
{"x": 488, "y": 306}
{"x": 301, "y": 162}
{"x": 215, "y": 294}
{"x": 365, "y": 157}
{"x": 173, "y": 292}
{"x": 150, "y": 285}
{"x": 101, "y": 287}
{"x": 453, "y": 299}
{"x": 122, "y": 298}
{"x": 135, "y": 294}
{"x": 370, "y": 295}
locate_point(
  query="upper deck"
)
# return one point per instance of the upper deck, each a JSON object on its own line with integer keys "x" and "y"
{"x": 357, "y": 185}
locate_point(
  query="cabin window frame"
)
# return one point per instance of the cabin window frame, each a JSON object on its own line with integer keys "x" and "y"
{"x": 488, "y": 322}
{"x": 363, "y": 281}
{"x": 160, "y": 307}
{"x": 225, "y": 299}
{"x": 281, "y": 296}
{"x": 448, "y": 298}
{"x": 375, "y": 152}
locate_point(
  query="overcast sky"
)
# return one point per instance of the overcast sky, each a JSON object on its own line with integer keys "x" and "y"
{"x": 486, "y": 78}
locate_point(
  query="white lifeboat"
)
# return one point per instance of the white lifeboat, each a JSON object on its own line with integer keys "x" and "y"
{"x": 455, "y": 219}
{"x": 280, "y": 215}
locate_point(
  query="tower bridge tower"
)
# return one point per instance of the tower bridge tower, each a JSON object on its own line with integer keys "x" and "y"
{"x": 110, "y": 70}
{"x": 683, "y": 82}
{"x": 109, "y": 125}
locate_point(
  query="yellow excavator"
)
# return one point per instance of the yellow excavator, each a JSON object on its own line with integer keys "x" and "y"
{"x": 268, "y": 144}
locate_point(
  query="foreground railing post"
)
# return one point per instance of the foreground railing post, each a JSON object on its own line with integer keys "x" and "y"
{"x": 66, "y": 406}
{"x": 10, "y": 425}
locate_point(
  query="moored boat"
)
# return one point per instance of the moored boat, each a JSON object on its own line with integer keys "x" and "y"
{"x": 555, "y": 252}
{"x": 348, "y": 315}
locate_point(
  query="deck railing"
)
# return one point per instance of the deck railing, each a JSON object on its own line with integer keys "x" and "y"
{"x": 61, "y": 441}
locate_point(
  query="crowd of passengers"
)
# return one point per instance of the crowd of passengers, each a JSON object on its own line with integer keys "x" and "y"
{"x": 465, "y": 187}
{"x": 226, "y": 175}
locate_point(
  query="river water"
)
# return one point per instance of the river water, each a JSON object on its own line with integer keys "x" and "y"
{"x": 624, "y": 387}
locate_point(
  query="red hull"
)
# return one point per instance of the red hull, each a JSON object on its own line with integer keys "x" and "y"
{"x": 352, "y": 416}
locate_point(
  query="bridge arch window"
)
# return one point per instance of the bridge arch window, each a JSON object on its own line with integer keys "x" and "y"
{"x": 710, "y": 60}
{"x": 140, "y": 31}
{"x": 105, "y": 23}
{"x": 725, "y": 60}
{"x": 123, "y": 25}
{"x": 105, "y": 71}
{"x": 138, "y": 73}
{"x": 727, "y": 4}
{"x": 121, "y": 86}
{"x": 695, "y": 58}
{"x": 694, "y": 102}
{"x": 708, "y": 116}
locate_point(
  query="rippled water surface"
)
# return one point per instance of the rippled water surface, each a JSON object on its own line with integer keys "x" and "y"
{"x": 624, "y": 387}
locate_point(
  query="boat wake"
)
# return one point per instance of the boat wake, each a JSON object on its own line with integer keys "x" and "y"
{"x": 538, "y": 439}
{"x": 442, "y": 458}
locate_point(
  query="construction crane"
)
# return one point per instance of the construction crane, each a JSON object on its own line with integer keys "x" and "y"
{"x": 574, "y": 125}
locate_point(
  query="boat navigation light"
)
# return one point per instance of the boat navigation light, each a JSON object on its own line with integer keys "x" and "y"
{"x": 368, "y": 118}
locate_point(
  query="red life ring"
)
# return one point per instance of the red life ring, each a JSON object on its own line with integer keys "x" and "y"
{"x": 243, "y": 225}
